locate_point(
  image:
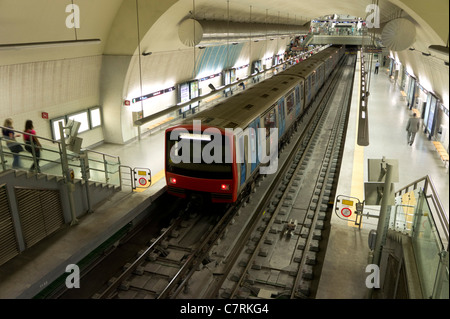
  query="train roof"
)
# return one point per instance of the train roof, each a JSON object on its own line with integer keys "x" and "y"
{"x": 241, "y": 109}
{"x": 303, "y": 69}
{"x": 308, "y": 66}
{"x": 325, "y": 54}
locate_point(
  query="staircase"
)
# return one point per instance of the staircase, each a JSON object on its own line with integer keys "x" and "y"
{"x": 35, "y": 205}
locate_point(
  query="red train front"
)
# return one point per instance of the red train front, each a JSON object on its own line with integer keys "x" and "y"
{"x": 200, "y": 163}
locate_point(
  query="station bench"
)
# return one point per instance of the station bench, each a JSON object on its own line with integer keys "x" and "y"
{"x": 403, "y": 97}
{"x": 441, "y": 151}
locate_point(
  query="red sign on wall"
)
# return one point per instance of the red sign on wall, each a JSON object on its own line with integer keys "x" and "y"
{"x": 127, "y": 103}
{"x": 45, "y": 115}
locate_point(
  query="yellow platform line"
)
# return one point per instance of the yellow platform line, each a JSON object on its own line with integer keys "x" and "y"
{"x": 158, "y": 176}
{"x": 357, "y": 186}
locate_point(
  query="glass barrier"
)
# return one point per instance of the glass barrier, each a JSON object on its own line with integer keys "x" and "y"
{"x": 419, "y": 214}
{"x": 427, "y": 247}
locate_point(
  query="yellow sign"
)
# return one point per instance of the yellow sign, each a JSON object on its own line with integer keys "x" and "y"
{"x": 347, "y": 202}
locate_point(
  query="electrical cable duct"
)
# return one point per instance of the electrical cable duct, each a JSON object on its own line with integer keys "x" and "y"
{"x": 202, "y": 33}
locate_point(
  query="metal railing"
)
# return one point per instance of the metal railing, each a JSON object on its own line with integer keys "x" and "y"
{"x": 424, "y": 187}
{"x": 88, "y": 165}
{"x": 424, "y": 219}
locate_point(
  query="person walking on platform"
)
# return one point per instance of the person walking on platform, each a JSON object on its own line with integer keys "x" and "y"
{"x": 412, "y": 128}
{"x": 10, "y": 136}
{"x": 377, "y": 66}
{"x": 30, "y": 139}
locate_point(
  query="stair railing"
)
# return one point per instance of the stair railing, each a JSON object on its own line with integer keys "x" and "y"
{"x": 87, "y": 165}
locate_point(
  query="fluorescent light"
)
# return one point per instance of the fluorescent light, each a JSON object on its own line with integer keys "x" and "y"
{"x": 51, "y": 44}
{"x": 197, "y": 137}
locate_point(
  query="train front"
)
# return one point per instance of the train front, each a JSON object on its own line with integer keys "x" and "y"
{"x": 199, "y": 164}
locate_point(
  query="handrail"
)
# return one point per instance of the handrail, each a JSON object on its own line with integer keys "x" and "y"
{"x": 428, "y": 185}
{"x": 429, "y": 225}
{"x": 100, "y": 153}
{"x": 107, "y": 159}
{"x": 25, "y": 133}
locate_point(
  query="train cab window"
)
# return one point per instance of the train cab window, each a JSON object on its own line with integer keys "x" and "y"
{"x": 270, "y": 121}
{"x": 195, "y": 155}
{"x": 290, "y": 102}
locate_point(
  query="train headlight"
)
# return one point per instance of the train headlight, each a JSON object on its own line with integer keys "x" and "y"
{"x": 173, "y": 180}
{"x": 225, "y": 187}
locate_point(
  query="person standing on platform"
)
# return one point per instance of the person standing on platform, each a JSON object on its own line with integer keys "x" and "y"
{"x": 412, "y": 128}
{"x": 377, "y": 66}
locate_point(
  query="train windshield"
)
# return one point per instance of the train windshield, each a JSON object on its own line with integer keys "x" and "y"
{"x": 199, "y": 155}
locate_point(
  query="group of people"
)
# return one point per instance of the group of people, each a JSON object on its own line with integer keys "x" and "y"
{"x": 30, "y": 140}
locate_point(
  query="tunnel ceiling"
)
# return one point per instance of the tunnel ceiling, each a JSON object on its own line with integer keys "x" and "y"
{"x": 114, "y": 22}
{"x": 23, "y": 21}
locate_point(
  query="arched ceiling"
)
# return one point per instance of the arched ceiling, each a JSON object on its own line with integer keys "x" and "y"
{"x": 115, "y": 22}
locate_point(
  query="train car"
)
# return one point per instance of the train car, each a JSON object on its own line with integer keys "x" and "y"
{"x": 330, "y": 57}
{"x": 217, "y": 154}
{"x": 274, "y": 103}
{"x": 316, "y": 70}
{"x": 312, "y": 71}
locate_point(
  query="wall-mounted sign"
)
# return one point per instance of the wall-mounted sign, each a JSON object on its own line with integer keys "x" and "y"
{"x": 145, "y": 97}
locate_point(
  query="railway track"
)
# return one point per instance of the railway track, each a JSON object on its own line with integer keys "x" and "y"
{"x": 266, "y": 246}
{"x": 161, "y": 267}
{"x": 278, "y": 259}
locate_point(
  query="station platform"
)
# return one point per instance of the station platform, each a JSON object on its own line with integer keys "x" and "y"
{"x": 26, "y": 275}
{"x": 343, "y": 273}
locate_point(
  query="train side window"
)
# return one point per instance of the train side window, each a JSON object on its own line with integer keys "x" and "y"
{"x": 290, "y": 102}
{"x": 270, "y": 121}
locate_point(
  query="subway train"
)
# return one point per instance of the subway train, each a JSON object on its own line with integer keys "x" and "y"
{"x": 217, "y": 154}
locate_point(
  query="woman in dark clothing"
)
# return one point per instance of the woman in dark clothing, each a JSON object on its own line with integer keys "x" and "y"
{"x": 30, "y": 139}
